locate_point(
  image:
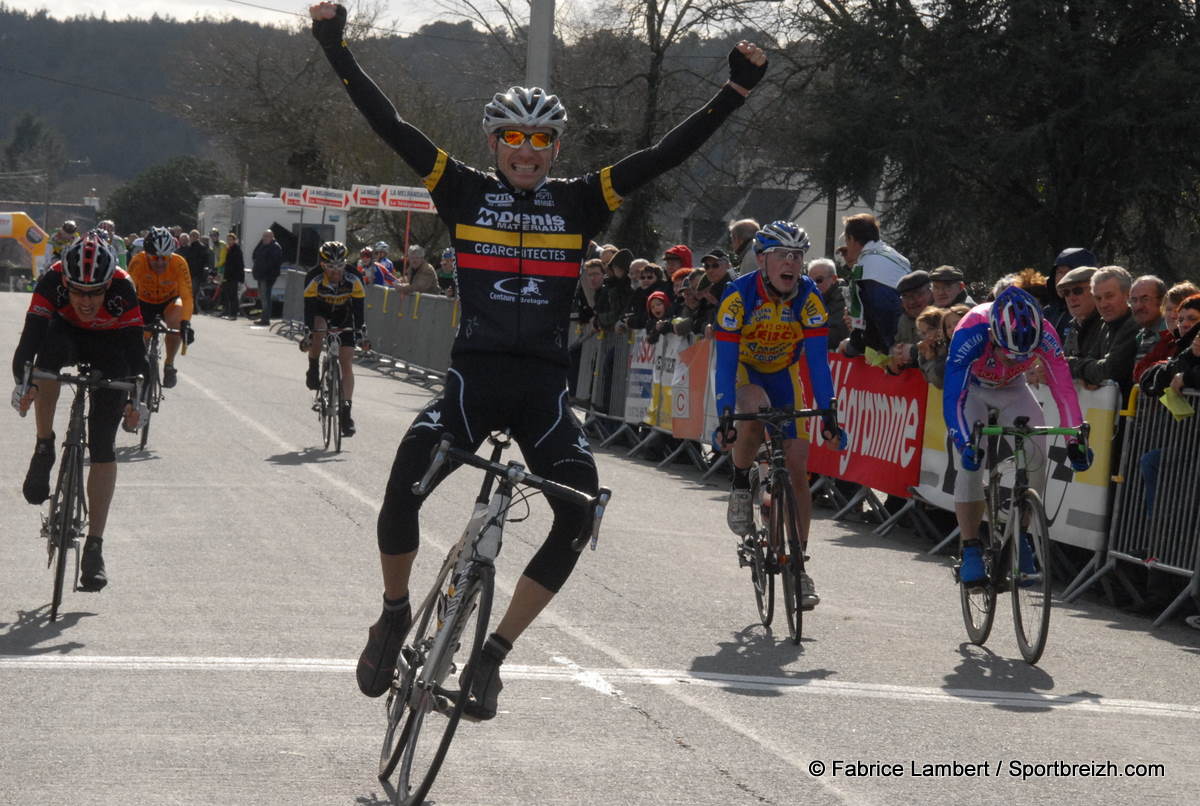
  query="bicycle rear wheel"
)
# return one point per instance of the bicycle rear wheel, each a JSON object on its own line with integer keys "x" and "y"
{"x": 1031, "y": 591}
{"x": 437, "y": 699}
{"x": 791, "y": 556}
{"x": 754, "y": 551}
{"x": 66, "y": 513}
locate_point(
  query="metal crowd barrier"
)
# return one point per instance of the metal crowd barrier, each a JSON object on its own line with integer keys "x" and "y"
{"x": 411, "y": 333}
{"x": 1157, "y": 502}
{"x": 292, "y": 321}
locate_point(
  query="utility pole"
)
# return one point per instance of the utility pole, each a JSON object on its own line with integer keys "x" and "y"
{"x": 541, "y": 40}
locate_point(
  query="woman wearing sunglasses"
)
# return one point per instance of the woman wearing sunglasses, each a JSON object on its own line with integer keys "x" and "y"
{"x": 519, "y": 237}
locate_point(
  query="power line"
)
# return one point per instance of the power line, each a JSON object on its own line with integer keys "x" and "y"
{"x": 391, "y": 31}
{"x": 74, "y": 84}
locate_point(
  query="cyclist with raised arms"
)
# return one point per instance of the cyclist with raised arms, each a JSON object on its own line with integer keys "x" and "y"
{"x": 334, "y": 297}
{"x": 766, "y": 320}
{"x": 84, "y": 309}
{"x": 992, "y": 348}
{"x": 520, "y": 238}
{"x": 164, "y": 288}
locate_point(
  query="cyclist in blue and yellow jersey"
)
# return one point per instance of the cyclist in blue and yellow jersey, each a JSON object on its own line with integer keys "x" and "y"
{"x": 519, "y": 237}
{"x": 765, "y": 319}
{"x": 334, "y": 298}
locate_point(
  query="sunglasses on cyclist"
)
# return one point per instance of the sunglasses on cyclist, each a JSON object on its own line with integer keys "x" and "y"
{"x": 785, "y": 254}
{"x": 1075, "y": 290}
{"x": 333, "y": 266}
{"x": 86, "y": 292}
{"x": 539, "y": 141}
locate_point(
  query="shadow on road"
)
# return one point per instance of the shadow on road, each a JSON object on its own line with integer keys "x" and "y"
{"x": 131, "y": 454}
{"x": 33, "y": 631}
{"x": 754, "y": 655}
{"x": 306, "y": 456}
{"x": 983, "y": 671}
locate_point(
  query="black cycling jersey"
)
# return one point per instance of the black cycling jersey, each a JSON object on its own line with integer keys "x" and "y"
{"x": 519, "y": 252}
{"x": 341, "y": 302}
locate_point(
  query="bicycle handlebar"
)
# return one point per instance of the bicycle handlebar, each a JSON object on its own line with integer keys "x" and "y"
{"x": 775, "y": 416}
{"x": 514, "y": 473}
{"x": 93, "y": 379}
{"x": 1022, "y": 428}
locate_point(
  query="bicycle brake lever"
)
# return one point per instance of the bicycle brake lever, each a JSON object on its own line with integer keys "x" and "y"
{"x": 439, "y": 459}
{"x": 602, "y": 499}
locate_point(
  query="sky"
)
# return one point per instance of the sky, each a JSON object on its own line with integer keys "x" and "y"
{"x": 406, "y": 15}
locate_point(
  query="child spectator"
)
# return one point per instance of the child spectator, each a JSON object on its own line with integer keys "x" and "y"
{"x": 932, "y": 345}
{"x": 658, "y": 316}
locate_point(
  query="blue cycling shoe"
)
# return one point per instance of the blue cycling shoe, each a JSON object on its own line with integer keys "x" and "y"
{"x": 971, "y": 572}
{"x": 1028, "y": 561}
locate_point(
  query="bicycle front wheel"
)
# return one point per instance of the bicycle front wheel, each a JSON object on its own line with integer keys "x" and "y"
{"x": 791, "y": 555}
{"x": 150, "y": 398}
{"x": 441, "y": 688}
{"x": 335, "y": 400}
{"x": 754, "y": 552}
{"x": 979, "y": 603}
{"x": 66, "y": 512}
{"x": 325, "y": 403}
{"x": 1031, "y": 584}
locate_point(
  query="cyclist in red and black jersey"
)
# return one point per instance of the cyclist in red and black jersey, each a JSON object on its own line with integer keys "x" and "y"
{"x": 84, "y": 309}
{"x": 519, "y": 237}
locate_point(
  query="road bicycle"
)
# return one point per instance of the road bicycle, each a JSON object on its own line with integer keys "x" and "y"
{"x": 434, "y": 668}
{"x": 66, "y": 523}
{"x": 327, "y": 400}
{"x": 773, "y": 548}
{"x": 152, "y": 393}
{"x": 1012, "y": 515}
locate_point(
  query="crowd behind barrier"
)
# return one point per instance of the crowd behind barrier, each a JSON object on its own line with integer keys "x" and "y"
{"x": 658, "y": 395}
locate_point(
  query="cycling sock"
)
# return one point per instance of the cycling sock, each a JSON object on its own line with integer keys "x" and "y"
{"x": 92, "y": 540}
{"x": 498, "y": 646}
{"x": 312, "y": 363}
{"x": 741, "y": 478}
{"x": 395, "y": 604}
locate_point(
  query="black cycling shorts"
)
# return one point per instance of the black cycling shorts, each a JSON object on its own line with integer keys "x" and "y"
{"x": 66, "y": 345}
{"x": 335, "y": 318}
{"x": 487, "y": 393}
{"x": 151, "y": 310}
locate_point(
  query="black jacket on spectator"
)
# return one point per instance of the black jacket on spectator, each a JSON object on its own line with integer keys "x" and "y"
{"x": 198, "y": 257}
{"x": 1111, "y": 356}
{"x": 583, "y": 311}
{"x": 1058, "y": 315}
{"x": 835, "y": 306}
{"x": 612, "y": 301}
{"x": 1080, "y": 338}
{"x": 235, "y": 265}
{"x": 268, "y": 261}
{"x": 1158, "y": 377}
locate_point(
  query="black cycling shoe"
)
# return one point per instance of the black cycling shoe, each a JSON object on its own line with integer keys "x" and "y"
{"x": 347, "y": 421}
{"x": 91, "y": 568}
{"x": 485, "y": 681}
{"x": 377, "y": 663}
{"x": 311, "y": 378}
{"x": 169, "y": 374}
{"x": 36, "y": 488}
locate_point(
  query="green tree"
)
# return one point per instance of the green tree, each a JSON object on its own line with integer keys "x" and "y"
{"x": 999, "y": 131}
{"x": 165, "y": 194}
{"x": 33, "y": 161}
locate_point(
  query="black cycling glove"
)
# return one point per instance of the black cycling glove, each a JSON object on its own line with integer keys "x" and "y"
{"x": 330, "y": 33}
{"x": 743, "y": 72}
{"x": 185, "y": 329}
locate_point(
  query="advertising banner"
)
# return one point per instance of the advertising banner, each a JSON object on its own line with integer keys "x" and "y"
{"x": 293, "y": 197}
{"x": 394, "y": 197}
{"x": 364, "y": 196}
{"x": 1076, "y": 503}
{"x": 658, "y": 414}
{"x": 884, "y": 416}
{"x": 325, "y": 197}
{"x": 689, "y": 388}
{"x": 640, "y": 381}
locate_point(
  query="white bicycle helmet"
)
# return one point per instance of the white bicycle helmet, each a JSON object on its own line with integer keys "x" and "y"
{"x": 781, "y": 235}
{"x": 89, "y": 262}
{"x": 159, "y": 243}
{"x": 531, "y": 107}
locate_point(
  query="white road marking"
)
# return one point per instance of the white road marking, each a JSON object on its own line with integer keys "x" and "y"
{"x": 602, "y": 680}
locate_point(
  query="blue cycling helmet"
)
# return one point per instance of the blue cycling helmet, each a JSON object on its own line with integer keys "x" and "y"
{"x": 781, "y": 235}
{"x": 448, "y": 252}
{"x": 1015, "y": 322}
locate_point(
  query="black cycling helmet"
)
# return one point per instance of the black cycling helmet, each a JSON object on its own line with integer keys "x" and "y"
{"x": 89, "y": 262}
{"x": 333, "y": 253}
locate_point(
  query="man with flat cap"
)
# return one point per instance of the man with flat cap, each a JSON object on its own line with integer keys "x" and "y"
{"x": 1068, "y": 259}
{"x": 1082, "y": 330}
{"x": 948, "y": 287}
{"x": 916, "y": 294}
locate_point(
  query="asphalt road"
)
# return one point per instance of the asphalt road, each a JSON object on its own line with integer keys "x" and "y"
{"x": 217, "y": 667}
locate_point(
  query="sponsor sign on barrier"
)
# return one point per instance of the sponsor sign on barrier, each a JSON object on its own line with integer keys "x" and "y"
{"x": 884, "y": 417}
{"x": 640, "y": 380}
{"x": 658, "y": 413}
{"x": 325, "y": 197}
{"x": 689, "y": 388}
{"x": 364, "y": 196}
{"x": 1076, "y": 503}
{"x": 394, "y": 197}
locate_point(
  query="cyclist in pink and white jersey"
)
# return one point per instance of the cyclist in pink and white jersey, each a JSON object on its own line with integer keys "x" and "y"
{"x": 992, "y": 347}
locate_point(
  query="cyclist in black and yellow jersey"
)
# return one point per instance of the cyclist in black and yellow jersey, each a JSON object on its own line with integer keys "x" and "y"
{"x": 519, "y": 237}
{"x": 334, "y": 298}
